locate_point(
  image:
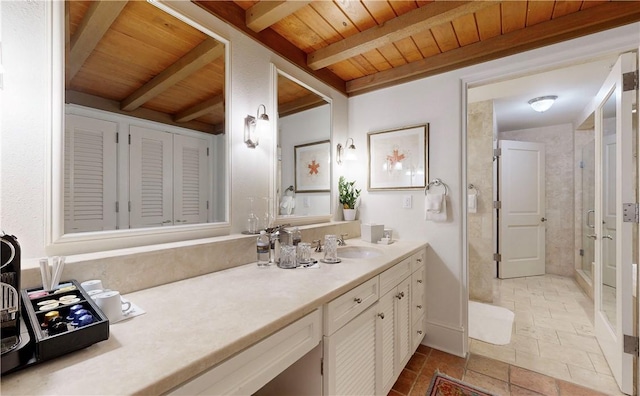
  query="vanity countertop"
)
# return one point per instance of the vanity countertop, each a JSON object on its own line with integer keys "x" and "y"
{"x": 194, "y": 324}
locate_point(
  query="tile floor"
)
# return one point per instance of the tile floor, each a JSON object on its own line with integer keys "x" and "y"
{"x": 553, "y": 332}
{"x": 495, "y": 376}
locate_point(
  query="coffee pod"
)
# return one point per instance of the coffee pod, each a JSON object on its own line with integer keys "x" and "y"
{"x": 57, "y": 326}
{"x": 85, "y": 320}
{"x": 73, "y": 310}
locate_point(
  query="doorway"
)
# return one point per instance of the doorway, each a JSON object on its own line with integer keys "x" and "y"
{"x": 543, "y": 292}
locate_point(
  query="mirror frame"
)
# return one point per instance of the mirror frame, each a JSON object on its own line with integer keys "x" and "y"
{"x": 298, "y": 220}
{"x": 56, "y": 241}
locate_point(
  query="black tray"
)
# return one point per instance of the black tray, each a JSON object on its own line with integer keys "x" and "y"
{"x": 51, "y": 346}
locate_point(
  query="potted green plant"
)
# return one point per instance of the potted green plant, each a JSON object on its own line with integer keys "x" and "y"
{"x": 348, "y": 195}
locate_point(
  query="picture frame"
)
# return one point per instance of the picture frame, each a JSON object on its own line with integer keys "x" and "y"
{"x": 398, "y": 158}
{"x": 313, "y": 167}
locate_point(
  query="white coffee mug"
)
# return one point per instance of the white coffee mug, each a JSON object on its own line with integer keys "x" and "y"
{"x": 93, "y": 284}
{"x": 112, "y": 305}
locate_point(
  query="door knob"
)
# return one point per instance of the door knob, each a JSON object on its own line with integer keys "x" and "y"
{"x": 607, "y": 237}
{"x": 543, "y": 219}
{"x": 592, "y": 236}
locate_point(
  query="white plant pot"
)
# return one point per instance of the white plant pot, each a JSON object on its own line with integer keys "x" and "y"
{"x": 349, "y": 214}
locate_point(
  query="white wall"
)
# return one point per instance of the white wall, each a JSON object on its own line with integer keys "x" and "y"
{"x": 439, "y": 101}
{"x": 26, "y": 125}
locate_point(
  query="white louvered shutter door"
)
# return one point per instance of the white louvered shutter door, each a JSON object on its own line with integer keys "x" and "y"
{"x": 90, "y": 174}
{"x": 191, "y": 180}
{"x": 151, "y": 179}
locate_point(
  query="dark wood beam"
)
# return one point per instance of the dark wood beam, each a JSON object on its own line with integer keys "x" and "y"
{"x": 234, "y": 15}
{"x": 592, "y": 20}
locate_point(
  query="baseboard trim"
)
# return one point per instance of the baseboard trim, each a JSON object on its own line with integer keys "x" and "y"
{"x": 446, "y": 338}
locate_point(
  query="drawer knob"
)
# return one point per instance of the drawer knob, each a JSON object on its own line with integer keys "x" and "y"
{"x": 419, "y": 306}
{"x": 419, "y": 260}
{"x": 400, "y": 295}
{"x": 419, "y": 280}
{"x": 381, "y": 315}
{"x": 420, "y": 332}
{"x": 358, "y": 300}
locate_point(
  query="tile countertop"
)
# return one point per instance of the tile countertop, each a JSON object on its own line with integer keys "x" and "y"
{"x": 193, "y": 324}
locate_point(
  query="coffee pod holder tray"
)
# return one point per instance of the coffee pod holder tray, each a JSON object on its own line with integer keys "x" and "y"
{"x": 48, "y": 346}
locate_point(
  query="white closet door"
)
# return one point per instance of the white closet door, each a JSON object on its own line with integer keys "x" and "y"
{"x": 151, "y": 178}
{"x": 191, "y": 180}
{"x": 90, "y": 174}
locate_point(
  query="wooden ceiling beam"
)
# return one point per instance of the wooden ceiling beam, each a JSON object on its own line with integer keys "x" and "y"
{"x": 301, "y": 104}
{"x": 200, "y": 56}
{"x": 396, "y": 29}
{"x": 234, "y": 15}
{"x": 266, "y": 13}
{"x": 113, "y": 106}
{"x": 592, "y": 20}
{"x": 200, "y": 109}
{"x": 95, "y": 23}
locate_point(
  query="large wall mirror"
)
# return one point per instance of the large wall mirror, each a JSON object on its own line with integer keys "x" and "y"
{"x": 303, "y": 177}
{"x": 144, "y": 120}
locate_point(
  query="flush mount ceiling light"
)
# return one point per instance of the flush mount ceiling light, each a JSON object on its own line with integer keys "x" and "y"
{"x": 255, "y": 126}
{"x": 350, "y": 155}
{"x": 542, "y": 103}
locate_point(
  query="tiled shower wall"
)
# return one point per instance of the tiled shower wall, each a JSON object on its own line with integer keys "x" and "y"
{"x": 560, "y": 196}
{"x": 480, "y": 131}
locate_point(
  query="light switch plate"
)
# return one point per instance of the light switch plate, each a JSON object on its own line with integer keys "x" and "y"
{"x": 406, "y": 202}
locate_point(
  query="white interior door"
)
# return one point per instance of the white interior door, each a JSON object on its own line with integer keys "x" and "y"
{"x": 615, "y": 165}
{"x": 521, "y": 218}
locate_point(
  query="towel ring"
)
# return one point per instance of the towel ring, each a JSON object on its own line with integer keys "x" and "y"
{"x": 476, "y": 189}
{"x": 437, "y": 182}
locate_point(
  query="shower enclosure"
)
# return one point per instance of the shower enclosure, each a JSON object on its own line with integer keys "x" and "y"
{"x": 588, "y": 194}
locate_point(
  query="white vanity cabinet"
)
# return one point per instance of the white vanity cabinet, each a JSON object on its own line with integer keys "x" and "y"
{"x": 367, "y": 354}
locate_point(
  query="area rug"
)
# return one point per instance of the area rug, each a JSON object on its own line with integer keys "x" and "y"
{"x": 489, "y": 323}
{"x": 443, "y": 385}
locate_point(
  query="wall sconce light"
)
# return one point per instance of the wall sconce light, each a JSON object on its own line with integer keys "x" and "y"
{"x": 350, "y": 154}
{"x": 255, "y": 126}
{"x": 542, "y": 103}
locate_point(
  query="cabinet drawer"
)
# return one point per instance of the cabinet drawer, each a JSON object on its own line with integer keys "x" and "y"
{"x": 349, "y": 305}
{"x": 418, "y": 293}
{"x": 394, "y": 275}
{"x": 418, "y": 332}
{"x": 251, "y": 369}
{"x": 417, "y": 260}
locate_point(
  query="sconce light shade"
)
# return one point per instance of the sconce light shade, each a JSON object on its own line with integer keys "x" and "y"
{"x": 255, "y": 126}
{"x": 350, "y": 155}
{"x": 542, "y": 103}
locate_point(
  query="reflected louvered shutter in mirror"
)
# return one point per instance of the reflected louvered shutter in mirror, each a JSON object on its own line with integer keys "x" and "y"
{"x": 191, "y": 179}
{"x": 150, "y": 178}
{"x": 90, "y": 174}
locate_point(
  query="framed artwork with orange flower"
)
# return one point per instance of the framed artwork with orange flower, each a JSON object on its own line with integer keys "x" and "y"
{"x": 313, "y": 167}
{"x": 399, "y": 158}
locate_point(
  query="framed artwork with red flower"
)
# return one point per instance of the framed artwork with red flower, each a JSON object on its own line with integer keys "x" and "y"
{"x": 398, "y": 158}
{"x": 313, "y": 166}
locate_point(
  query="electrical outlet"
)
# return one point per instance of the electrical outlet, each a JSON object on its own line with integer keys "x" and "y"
{"x": 406, "y": 202}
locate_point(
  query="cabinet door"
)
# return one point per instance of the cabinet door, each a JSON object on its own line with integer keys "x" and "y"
{"x": 90, "y": 172}
{"x": 151, "y": 177}
{"x": 191, "y": 180}
{"x": 418, "y": 294}
{"x": 386, "y": 345}
{"x": 349, "y": 364}
{"x": 402, "y": 317}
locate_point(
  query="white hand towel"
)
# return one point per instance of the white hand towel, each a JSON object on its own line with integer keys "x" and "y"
{"x": 439, "y": 216}
{"x": 472, "y": 203}
{"x": 433, "y": 202}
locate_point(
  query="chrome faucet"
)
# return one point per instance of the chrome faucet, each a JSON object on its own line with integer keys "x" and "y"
{"x": 341, "y": 241}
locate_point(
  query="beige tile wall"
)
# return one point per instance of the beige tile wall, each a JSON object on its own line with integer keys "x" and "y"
{"x": 480, "y": 130}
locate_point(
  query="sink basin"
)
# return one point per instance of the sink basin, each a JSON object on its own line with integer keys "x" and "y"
{"x": 358, "y": 252}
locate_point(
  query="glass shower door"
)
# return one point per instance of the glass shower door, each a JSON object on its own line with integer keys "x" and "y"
{"x": 588, "y": 208}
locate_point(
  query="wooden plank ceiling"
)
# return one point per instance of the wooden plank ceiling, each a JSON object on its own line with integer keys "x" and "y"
{"x": 133, "y": 58}
{"x": 361, "y": 45}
